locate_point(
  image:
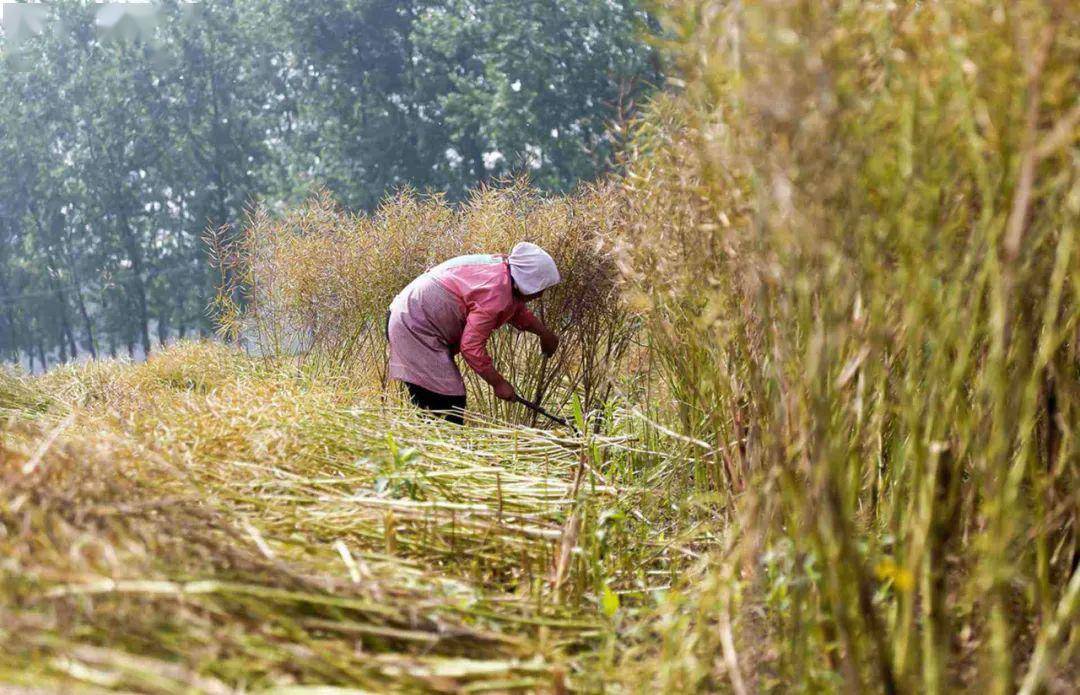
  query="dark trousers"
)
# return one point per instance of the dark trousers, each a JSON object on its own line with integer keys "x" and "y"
{"x": 452, "y": 408}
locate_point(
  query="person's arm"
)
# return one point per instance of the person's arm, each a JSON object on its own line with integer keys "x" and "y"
{"x": 478, "y": 328}
{"x": 525, "y": 320}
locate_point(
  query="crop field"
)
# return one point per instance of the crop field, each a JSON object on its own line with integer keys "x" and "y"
{"x": 204, "y": 521}
{"x": 820, "y": 355}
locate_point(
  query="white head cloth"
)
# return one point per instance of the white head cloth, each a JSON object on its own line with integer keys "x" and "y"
{"x": 532, "y": 268}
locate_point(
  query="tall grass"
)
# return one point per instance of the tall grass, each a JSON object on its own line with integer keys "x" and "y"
{"x": 317, "y": 283}
{"x": 855, "y": 233}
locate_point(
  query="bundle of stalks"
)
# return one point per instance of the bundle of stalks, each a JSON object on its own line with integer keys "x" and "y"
{"x": 18, "y": 396}
{"x": 207, "y": 521}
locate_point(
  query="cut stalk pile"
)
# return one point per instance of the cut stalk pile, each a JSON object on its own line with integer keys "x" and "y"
{"x": 158, "y": 535}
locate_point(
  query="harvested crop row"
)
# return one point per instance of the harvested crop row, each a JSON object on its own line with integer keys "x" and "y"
{"x": 162, "y": 533}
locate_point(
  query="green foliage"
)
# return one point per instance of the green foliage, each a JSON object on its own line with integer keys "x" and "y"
{"x": 609, "y": 602}
{"x": 445, "y": 94}
{"x": 118, "y": 153}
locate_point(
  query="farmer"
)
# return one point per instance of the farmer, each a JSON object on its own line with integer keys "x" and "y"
{"x": 453, "y": 308}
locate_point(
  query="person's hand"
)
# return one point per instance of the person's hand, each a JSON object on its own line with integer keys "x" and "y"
{"x": 505, "y": 391}
{"x": 549, "y": 343}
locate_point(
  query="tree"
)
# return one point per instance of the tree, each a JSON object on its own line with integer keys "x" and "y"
{"x": 527, "y": 86}
{"x": 447, "y": 94}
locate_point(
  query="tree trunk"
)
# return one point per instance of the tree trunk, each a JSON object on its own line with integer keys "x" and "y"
{"x": 49, "y": 226}
{"x": 41, "y": 356}
{"x": 67, "y": 336}
{"x": 137, "y": 284}
{"x": 162, "y": 329}
{"x": 80, "y": 303}
{"x": 65, "y": 327}
{"x": 7, "y": 344}
{"x": 11, "y": 346}
{"x": 88, "y": 325}
{"x": 476, "y": 158}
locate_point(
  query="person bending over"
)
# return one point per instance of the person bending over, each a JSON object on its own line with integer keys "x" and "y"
{"x": 454, "y": 307}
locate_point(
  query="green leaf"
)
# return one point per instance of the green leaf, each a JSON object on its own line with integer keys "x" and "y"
{"x": 579, "y": 418}
{"x": 609, "y": 602}
{"x": 609, "y": 514}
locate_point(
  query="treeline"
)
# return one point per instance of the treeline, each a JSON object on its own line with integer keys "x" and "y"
{"x": 127, "y": 130}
